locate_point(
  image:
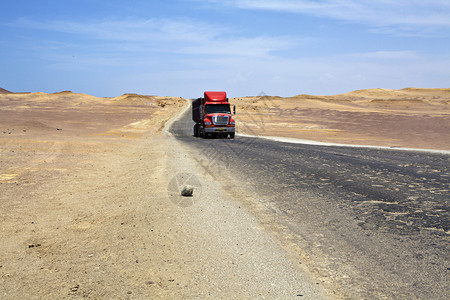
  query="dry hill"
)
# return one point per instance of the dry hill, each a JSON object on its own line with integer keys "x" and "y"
{"x": 411, "y": 117}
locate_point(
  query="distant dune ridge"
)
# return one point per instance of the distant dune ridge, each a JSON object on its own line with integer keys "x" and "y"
{"x": 408, "y": 118}
{"x": 404, "y": 94}
{"x": 31, "y": 115}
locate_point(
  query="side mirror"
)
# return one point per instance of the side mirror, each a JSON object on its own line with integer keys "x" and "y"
{"x": 234, "y": 109}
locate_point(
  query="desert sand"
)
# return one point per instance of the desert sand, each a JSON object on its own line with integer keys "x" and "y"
{"x": 83, "y": 191}
{"x": 87, "y": 209}
{"x": 407, "y": 118}
{"x": 77, "y": 174}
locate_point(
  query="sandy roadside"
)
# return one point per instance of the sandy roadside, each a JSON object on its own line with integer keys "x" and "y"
{"x": 83, "y": 208}
{"x": 86, "y": 211}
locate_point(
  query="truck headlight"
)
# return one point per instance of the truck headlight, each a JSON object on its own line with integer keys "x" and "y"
{"x": 232, "y": 122}
{"x": 207, "y": 123}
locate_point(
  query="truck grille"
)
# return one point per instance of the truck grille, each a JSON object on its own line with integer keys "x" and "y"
{"x": 220, "y": 120}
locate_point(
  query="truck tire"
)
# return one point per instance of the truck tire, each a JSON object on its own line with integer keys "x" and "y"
{"x": 196, "y": 133}
{"x": 231, "y": 135}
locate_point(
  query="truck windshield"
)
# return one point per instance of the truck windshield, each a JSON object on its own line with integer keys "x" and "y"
{"x": 218, "y": 109}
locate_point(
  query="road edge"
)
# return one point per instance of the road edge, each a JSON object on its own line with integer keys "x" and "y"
{"x": 316, "y": 143}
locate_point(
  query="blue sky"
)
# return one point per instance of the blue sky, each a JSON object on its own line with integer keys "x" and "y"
{"x": 245, "y": 47}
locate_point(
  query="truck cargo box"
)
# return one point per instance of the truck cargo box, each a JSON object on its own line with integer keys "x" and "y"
{"x": 196, "y": 110}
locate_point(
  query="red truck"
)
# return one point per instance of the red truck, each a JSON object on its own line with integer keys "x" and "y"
{"x": 212, "y": 115}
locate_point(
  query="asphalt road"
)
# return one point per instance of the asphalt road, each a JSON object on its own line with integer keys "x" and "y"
{"x": 372, "y": 223}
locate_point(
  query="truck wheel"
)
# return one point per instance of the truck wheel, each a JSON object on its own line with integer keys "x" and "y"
{"x": 196, "y": 133}
{"x": 231, "y": 135}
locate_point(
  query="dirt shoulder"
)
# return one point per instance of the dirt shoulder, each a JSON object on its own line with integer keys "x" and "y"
{"x": 407, "y": 118}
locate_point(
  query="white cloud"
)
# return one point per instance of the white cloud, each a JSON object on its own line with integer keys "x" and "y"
{"x": 127, "y": 30}
{"x": 182, "y": 57}
{"x": 260, "y": 46}
{"x": 405, "y": 16}
{"x": 169, "y": 36}
{"x": 325, "y": 74}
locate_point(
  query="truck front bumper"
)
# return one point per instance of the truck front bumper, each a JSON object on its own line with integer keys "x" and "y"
{"x": 219, "y": 129}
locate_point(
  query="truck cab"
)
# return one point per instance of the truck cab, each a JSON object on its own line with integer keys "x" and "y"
{"x": 212, "y": 116}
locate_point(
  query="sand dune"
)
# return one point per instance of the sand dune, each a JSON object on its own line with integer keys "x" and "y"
{"x": 409, "y": 93}
{"x": 77, "y": 114}
{"x": 36, "y": 122}
{"x": 411, "y": 117}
